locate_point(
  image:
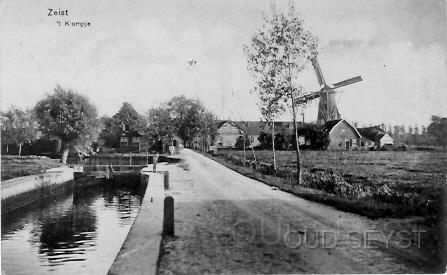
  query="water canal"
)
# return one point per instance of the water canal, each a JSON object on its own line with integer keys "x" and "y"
{"x": 78, "y": 231}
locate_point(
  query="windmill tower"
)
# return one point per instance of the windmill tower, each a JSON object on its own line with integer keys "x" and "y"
{"x": 327, "y": 107}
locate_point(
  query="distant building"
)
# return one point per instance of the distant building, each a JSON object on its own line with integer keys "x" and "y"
{"x": 375, "y": 137}
{"x": 227, "y": 134}
{"x": 229, "y": 131}
{"x": 342, "y": 135}
{"x": 129, "y": 140}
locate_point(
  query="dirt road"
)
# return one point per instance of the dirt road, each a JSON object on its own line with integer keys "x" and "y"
{"x": 228, "y": 223}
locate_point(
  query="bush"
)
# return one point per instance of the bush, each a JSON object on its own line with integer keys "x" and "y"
{"x": 240, "y": 143}
{"x": 265, "y": 141}
{"x": 387, "y": 147}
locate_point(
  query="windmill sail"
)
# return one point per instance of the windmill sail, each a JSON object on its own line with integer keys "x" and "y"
{"x": 327, "y": 106}
{"x": 305, "y": 98}
{"x": 347, "y": 82}
{"x": 318, "y": 72}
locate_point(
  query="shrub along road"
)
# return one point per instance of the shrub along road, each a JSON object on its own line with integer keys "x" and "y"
{"x": 228, "y": 223}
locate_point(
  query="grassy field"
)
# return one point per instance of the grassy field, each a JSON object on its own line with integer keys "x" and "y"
{"x": 402, "y": 168}
{"x": 19, "y": 166}
{"x": 375, "y": 184}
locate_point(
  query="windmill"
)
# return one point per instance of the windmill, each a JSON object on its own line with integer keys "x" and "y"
{"x": 327, "y": 107}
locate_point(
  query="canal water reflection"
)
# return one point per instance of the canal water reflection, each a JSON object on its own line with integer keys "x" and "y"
{"x": 80, "y": 231}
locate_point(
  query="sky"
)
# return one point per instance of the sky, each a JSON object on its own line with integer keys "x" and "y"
{"x": 136, "y": 51}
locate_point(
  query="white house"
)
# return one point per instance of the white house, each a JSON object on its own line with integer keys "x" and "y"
{"x": 375, "y": 137}
{"x": 342, "y": 135}
{"x": 228, "y": 132}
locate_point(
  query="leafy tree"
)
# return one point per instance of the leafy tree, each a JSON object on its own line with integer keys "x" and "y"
{"x": 83, "y": 145}
{"x": 110, "y": 132}
{"x": 19, "y": 127}
{"x": 278, "y": 52}
{"x": 208, "y": 128}
{"x": 68, "y": 116}
{"x": 438, "y": 130}
{"x": 397, "y": 133}
{"x": 281, "y": 141}
{"x": 242, "y": 142}
{"x": 390, "y": 130}
{"x": 161, "y": 127}
{"x": 269, "y": 102}
{"x": 129, "y": 118}
{"x": 182, "y": 117}
{"x": 424, "y": 130}
{"x": 186, "y": 114}
{"x": 403, "y": 133}
{"x": 319, "y": 139}
{"x": 416, "y": 129}
{"x": 402, "y": 129}
{"x": 6, "y": 128}
{"x": 265, "y": 141}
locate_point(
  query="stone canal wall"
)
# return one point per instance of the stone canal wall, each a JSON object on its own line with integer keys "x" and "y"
{"x": 21, "y": 191}
{"x": 139, "y": 253}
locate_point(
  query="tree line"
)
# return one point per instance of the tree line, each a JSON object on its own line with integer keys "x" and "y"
{"x": 72, "y": 120}
{"x": 432, "y": 135}
{"x": 180, "y": 117}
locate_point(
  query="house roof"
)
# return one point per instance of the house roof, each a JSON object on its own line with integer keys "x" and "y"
{"x": 222, "y": 122}
{"x": 131, "y": 133}
{"x": 374, "y": 133}
{"x": 330, "y": 125}
{"x": 256, "y": 127}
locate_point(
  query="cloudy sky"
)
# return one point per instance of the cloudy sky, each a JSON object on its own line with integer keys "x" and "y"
{"x": 136, "y": 51}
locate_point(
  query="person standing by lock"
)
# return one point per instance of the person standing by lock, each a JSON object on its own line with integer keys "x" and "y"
{"x": 154, "y": 163}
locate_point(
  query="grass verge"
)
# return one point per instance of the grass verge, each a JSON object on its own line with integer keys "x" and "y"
{"x": 20, "y": 166}
{"x": 370, "y": 205}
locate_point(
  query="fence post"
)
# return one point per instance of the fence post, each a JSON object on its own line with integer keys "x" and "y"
{"x": 166, "y": 179}
{"x": 154, "y": 163}
{"x": 168, "y": 216}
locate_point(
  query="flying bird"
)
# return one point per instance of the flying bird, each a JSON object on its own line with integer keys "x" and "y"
{"x": 191, "y": 62}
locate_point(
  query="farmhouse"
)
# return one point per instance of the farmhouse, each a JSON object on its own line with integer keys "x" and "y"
{"x": 375, "y": 137}
{"x": 227, "y": 133}
{"x": 342, "y": 135}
